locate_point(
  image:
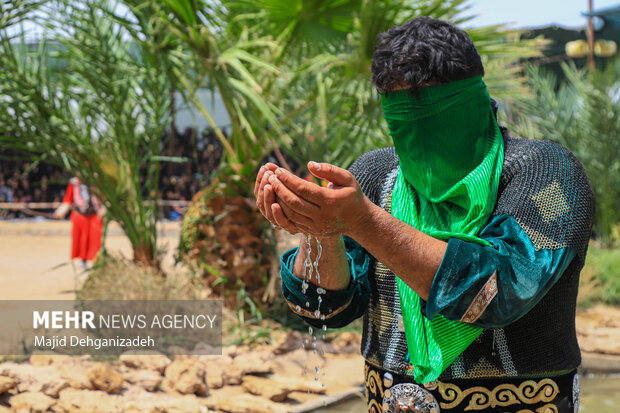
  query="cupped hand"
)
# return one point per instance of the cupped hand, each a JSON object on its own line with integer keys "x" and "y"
{"x": 263, "y": 192}
{"x": 265, "y": 196}
{"x": 323, "y": 212}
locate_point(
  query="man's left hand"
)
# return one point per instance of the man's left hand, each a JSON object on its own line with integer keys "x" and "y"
{"x": 306, "y": 206}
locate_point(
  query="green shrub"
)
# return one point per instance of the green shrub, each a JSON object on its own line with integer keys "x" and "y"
{"x": 605, "y": 263}
{"x": 581, "y": 113}
{"x": 121, "y": 279}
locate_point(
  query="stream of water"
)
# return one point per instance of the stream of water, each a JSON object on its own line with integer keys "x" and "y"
{"x": 309, "y": 268}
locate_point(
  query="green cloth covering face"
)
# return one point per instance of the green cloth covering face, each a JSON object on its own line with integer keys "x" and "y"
{"x": 451, "y": 153}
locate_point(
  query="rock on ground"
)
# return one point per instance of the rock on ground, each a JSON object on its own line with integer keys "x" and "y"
{"x": 47, "y": 359}
{"x": 187, "y": 377}
{"x": 44, "y": 379}
{"x": 257, "y": 362}
{"x": 288, "y": 341}
{"x": 103, "y": 377}
{"x": 149, "y": 361}
{"x": 163, "y": 403}
{"x": 598, "y": 330}
{"x": 87, "y": 401}
{"x": 73, "y": 369}
{"x": 216, "y": 375}
{"x": 276, "y": 391}
{"x": 230, "y": 400}
{"x": 221, "y": 370}
{"x": 31, "y": 402}
{"x": 6, "y": 383}
{"x": 145, "y": 379}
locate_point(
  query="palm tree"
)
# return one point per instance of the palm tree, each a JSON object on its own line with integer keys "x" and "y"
{"x": 295, "y": 74}
{"x": 101, "y": 113}
{"x": 14, "y": 12}
{"x": 582, "y": 114}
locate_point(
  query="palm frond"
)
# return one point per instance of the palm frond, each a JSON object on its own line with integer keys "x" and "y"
{"x": 103, "y": 114}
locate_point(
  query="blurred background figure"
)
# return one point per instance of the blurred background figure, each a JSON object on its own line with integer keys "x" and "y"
{"x": 86, "y": 219}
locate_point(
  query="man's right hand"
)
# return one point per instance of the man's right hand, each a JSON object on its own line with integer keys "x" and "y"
{"x": 334, "y": 267}
{"x": 263, "y": 191}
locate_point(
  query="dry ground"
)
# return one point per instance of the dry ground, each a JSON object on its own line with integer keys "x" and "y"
{"x": 34, "y": 258}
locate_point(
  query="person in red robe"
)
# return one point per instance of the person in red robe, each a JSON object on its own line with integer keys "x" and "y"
{"x": 86, "y": 219}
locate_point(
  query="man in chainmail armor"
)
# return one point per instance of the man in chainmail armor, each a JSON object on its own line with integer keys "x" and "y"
{"x": 460, "y": 246}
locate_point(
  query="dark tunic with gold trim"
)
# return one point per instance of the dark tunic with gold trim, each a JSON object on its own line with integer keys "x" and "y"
{"x": 522, "y": 290}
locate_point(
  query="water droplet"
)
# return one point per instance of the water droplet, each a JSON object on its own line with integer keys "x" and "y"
{"x": 310, "y": 330}
{"x": 297, "y": 308}
{"x": 322, "y": 317}
{"x": 307, "y": 304}
{"x": 320, "y": 290}
{"x": 317, "y": 370}
{"x": 317, "y": 313}
{"x": 324, "y": 327}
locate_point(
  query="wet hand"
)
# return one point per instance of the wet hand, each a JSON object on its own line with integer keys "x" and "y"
{"x": 263, "y": 192}
{"x": 309, "y": 208}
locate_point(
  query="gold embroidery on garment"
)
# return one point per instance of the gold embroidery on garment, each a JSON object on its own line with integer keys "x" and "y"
{"x": 310, "y": 314}
{"x": 374, "y": 407}
{"x": 373, "y": 382}
{"x": 374, "y": 386}
{"x": 547, "y": 408}
{"x": 482, "y": 300}
{"x": 528, "y": 392}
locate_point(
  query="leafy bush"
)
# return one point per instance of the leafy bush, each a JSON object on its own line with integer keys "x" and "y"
{"x": 583, "y": 115}
{"x": 602, "y": 268}
{"x": 120, "y": 279}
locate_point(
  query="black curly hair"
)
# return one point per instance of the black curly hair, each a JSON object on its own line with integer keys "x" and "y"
{"x": 422, "y": 51}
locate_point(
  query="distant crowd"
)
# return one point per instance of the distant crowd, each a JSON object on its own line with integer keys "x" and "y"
{"x": 22, "y": 180}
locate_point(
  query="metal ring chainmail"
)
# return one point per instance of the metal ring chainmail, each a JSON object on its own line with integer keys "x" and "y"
{"x": 546, "y": 190}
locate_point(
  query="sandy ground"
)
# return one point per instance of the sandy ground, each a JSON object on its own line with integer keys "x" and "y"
{"x": 34, "y": 257}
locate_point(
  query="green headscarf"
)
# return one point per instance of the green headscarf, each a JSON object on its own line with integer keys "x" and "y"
{"x": 451, "y": 153}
